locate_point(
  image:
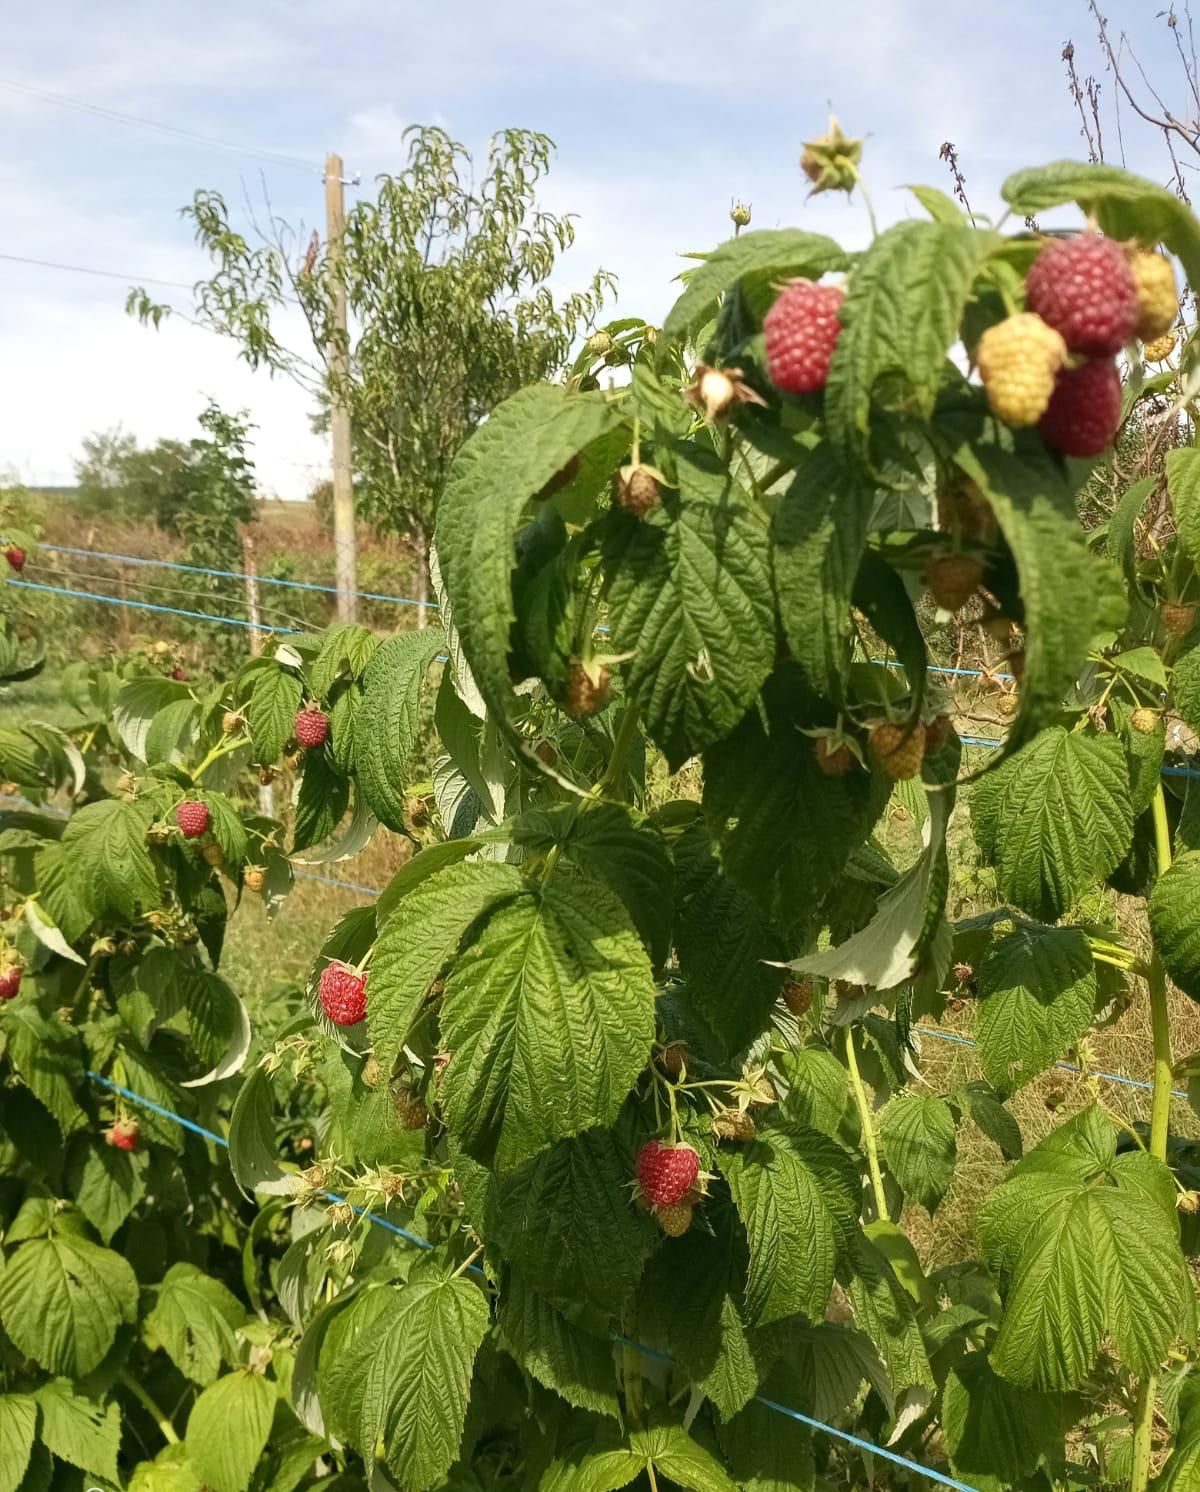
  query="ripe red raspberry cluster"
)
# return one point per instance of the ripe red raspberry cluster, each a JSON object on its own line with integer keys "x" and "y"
{"x": 192, "y": 818}
{"x": 342, "y": 992}
{"x": 1053, "y": 365}
{"x": 311, "y": 727}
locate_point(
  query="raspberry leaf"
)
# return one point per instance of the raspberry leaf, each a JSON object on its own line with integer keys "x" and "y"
{"x": 271, "y": 711}
{"x": 323, "y": 798}
{"x": 797, "y": 1194}
{"x": 1037, "y": 990}
{"x": 1054, "y": 818}
{"x": 524, "y": 444}
{"x": 228, "y": 1428}
{"x": 786, "y": 829}
{"x": 1183, "y": 483}
{"x": 194, "y": 1318}
{"x": 226, "y": 827}
{"x": 346, "y": 650}
{"x": 612, "y": 1461}
{"x": 609, "y": 842}
{"x": 920, "y": 1145}
{"x": 419, "y": 938}
{"x": 818, "y": 534}
{"x": 1183, "y": 1469}
{"x": 386, "y": 729}
{"x": 253, "y": 1153}
{"x": 1125, "y": 206}
{"x": 104, "y": 1183}
{"x": 62, "y": 1299}
{"x": 724, "y": 943}
{"x": 80, "y": 1430}
{"x": 136, "y": 705}
{"x": 1081, "y": 1258}
{"x": 560, "y": 1354}
{"x": 818, "y": 1093}
{"x": 18, "y": 1430}
{"x": 1119, "y": 539}
{"x": 409, "y": 1375}
{"x": 1175, "y": 922}
{"x": 884, "y": 1312}
{"x": 997, "y": 1433}
{"x": 775, "y": 253}
{"x": 1185, "y": 687}
{"x": 689, "y": 598}
{"x": 549, "y": 1015}
{"x": 109, "y": 861}
{"x": 901, "y": 315}
{"x": 767, "y": 1451}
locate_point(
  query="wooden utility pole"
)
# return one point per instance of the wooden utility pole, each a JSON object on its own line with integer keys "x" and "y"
{"x": 339, "y": 370}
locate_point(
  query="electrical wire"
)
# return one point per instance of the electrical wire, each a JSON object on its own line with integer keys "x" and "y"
{"x": 66, "y": 101}
{"x": 108, "y": 274}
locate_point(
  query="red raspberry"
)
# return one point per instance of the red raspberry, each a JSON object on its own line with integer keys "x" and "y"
{"x": 1084, "y": 411}
{"x": 180, "y": 675}
{"x": 798, "y": 996}
{"x": 15, "y": 555}
{"x": 666, "y": 1172}
{"x": 802, "y": 329}
{"x": 311, "y": 727}
{"x": 343, "y": 994}
{"x": 125, "y": 1134}
{"x": 10, "y": 982}
{"x": 192, "y": 818}
{"x": 834, "y": 761}
{"x": 1083, "y": 288}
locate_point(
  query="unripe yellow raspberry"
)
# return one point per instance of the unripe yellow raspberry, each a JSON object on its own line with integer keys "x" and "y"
{"x": 1158, "y": 302}
{"x": 1018, "y": 361}
{"x": 1159, "y": 349}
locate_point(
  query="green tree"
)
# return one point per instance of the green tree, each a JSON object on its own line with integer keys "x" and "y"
{"x": 450, "y": 307}
{"x": 101, "y": 472}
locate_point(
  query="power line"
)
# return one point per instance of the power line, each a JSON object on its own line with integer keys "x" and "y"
{"x": 65, "y": 101}
{"x": 108, "y": 274}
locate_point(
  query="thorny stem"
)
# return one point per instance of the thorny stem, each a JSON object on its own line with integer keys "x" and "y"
{"x": 1160, "y": 1118}
{"x": 127, "y": 1380}
{"x": 222, "y": 748}
{"x": 868, "y": 1127}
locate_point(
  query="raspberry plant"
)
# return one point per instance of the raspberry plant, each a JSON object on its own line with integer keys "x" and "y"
{"x": 644, "y": 1070}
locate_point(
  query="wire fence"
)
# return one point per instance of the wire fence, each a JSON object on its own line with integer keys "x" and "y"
{"x": 377, "y": 1220}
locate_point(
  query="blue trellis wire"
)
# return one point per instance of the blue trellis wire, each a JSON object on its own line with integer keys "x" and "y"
{"x": 424, "y": 1243}
{"x": 1109, "y": 1077}
{"x": 200, "y": 616}
{"x": 295, "y": 585}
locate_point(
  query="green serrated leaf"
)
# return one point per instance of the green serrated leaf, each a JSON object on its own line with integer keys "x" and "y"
{"x": 997, "y": 1433}
{"x": 885, "y": 1314}
{"x": 1174, "y": 912}
{"x": 62, "y": 1300}
{"x": 797, "y": 1193}
{"x": 525, "y": 442}
{"x": 903, "y": 306}
{"x": 920, "y": 1145}
{"x": 228, "y": 1428}
{"x": 253, "y": 1150}
{"x": 323, "y": 798}
{"x": 1124, "y": 205}
{"x": 420, "y": 937}
{"x": 79, "y": 1430}
{"x": 111, "y": 864}
{"x": 781, "y": 253}
{"x": 18, "y": 1428}
{"x": 1080, "y": 1261}
{"x": 549, "y": 1016}
{"x": 689, "y": 598}
{"x": 137, "y": 703}
{"x": 563, "y": 1356}
{"x": 105, "y": 1183}
{"x": 47, "y": 1056}
{"x": 412, "y": 1371}
{"x": 1055, "y": 818}
{"x": 193, "y": 1320}
{"x": 347, "y": 648}
{"x": 611, "y": 1461}
{"x": 387, "y": 725}
{"x": 588, "y": 1243}
{"x": 1037, "y": 989}
{"x": 271, "y": 712}
{"x": 818, "y": 533}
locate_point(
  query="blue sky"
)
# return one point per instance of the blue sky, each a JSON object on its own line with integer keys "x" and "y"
{"x": 661, "y": 111}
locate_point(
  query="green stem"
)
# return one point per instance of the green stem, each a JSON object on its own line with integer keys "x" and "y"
{"x": 631, "y": 1366}
{"x": 626, "y": 736}
{"x": 1156, "y": 978}
{"x": 128, "y": 1381}
{"x": 222, "y": 748}
{"x": 868, "y": 1127}
{"x": 1160, "y": 1118}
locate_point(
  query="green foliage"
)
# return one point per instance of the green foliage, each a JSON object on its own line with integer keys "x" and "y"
{"x": 435, "y": 1259}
